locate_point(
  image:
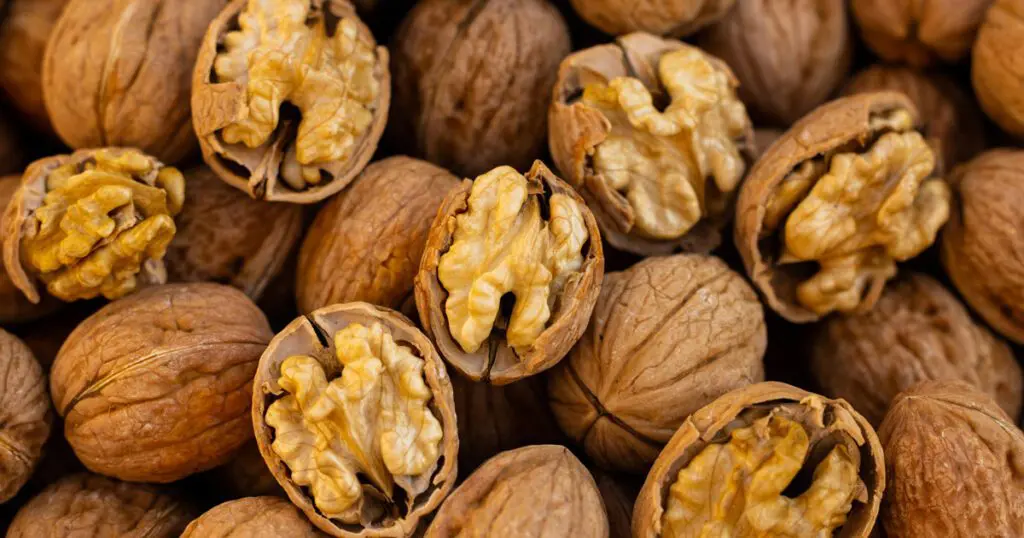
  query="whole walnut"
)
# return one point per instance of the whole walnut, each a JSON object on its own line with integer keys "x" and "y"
{"x": 472, "y": 80}
{"x": 365, "y": 244}
{"x": 24, "y": 31}
{"x": 954, "y": 462}
{"x": 667, "y": 337}
{"x": 14, "y": 306}
{"x": 788, "y": 56}
{"x": 916, "y": 332}
{"x": 25, "y": 414}
{"x": 662, "y": 17}
{"x": 98, "y": 507}
{"x": 919, "y": 32}
{"x": 157, "y": 386}
{"x": 997, "y": 82}
{"x": 252, "y": 517}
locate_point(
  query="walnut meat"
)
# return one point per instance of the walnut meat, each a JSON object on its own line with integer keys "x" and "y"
{"x": 289, "y": 97}
{"x": 656, "y": 181}
{"x": 667, "y": 337}
{"x": 999, "y": 82}
{"x": 917, "y": 332}
{"x": 24, "y": 414}
{"x": 354, "y": 415}
{"x": 831, "y": 206}
{"x": 662, "y": 17}
{"x": 954, "y": 462}
{"x": 96, "y": 222}
{"x": 510, "y": 274}
{"x": 252, "y": 517}
{"x": 919, "y": 32}
{"x": 763, "y": 437}
{"x": 366, "y": 243}
{"x": 14, "y": 306}
{"x": 510, "y": 490}
{"x": 156, "y": 386}
{"x": 24, "y": 32}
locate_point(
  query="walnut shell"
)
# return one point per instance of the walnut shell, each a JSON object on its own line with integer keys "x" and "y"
{"x": 14, "y": 306}
{"x": 507, "y": 490}
{"x": 662, "y": 17}
{"x": 953, "y": 461}
{"x": 157, "y": 386}
{"x": 917, "y": 332}
{"x": 314, "y": 336}
{"x": 24, "y": 32}
{"x": 919, "y": 32}
{"x": 26, "y": 414}
{"x": 252, "y": 517}
{"x": 828, "y": 425}
{"x": 365, "y": 244}
{"x": 789, "y": 57}
{"x": 998, "y": 83}
{"x": 667, "y": 337}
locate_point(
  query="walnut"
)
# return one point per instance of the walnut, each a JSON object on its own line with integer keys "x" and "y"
{"x": 830, "y": 208}
{"x": 917, "y": 332}
{"x": 656, "y": 181}
{"x": 619, "y": 495}
{"x": 506, "y": 491}
{"x": 667, "y": 337}
{"x": 954, "y": 462}
{"x": 765, "y": 137}
{"x": 789, "y": 57}
{"x": 662, "y": 17}
{"x": 14, "y": 306}
{"x": 998, "y": 82}
{"x": 252, "y": 517}
{"x": 354, "y": 415}
{"x": 798, "y": 465}
{"x": 156, "y": 386}
{"x": 366, "y": 243}
{"x": 45, "y": 336}
{"x": 289, "y": 97}
{"x": 919, "y": 32}
{"x": 471, "y": 86}
{"x": 96, "y": 222}
{"x": 24, "y": 31}
{"x": 510, "y": 274}
{"x": 95, "y": 506}
{"x": 25, "y": 420}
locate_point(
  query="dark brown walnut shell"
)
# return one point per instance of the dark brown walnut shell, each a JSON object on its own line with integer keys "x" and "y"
{"x": 539, "y": 491}
{"x": 789, "y": 57}
{"x": 366, "y": 243}
{"x": 252, "y": 517}
{"x": 14, "y": 306}
{"x": 472, "y": 83}
{"x": 24, "y": 32}
{"x": 917, "y": 332}
{"x": 619, "y": 494}
{"x": 313, "y": 336}
{"x": 827, "y": 423}
{"x": 98, "y": 507}
{"x": 998, "y": 83}
{"x": 954, "y": 464}
{"x": 662, "y": 17}
{"x": 25, "y": 415}
{"x": 919, "y": 32}
{"x": 157, "y": 386}
{"x": 224, "y": 236}
{"x": 667, "y": 337}
{"x": 261, "y": 171}
{"x": 119, "y": 74}
{"x": 496, "y": 362}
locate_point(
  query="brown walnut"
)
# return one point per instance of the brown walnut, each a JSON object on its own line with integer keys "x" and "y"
{"x": 24, "y": 32}
{"x": 954, "y": 462}
{"x": 289, "y": 98}
{"x": 667, "y": 337}
{"x": 763, "y": 437}
{"x": 156, "y": 386}
{"x": 25, "y": 416}
{"x": 252, "y": 517}
{"x": 999, "y": 82}
{"x": 919, "y": 32}
{"x": 661, "y": 17}
{"x": 14, "y": 306}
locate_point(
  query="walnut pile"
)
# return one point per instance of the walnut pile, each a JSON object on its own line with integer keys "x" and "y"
{"x": 919, "y": 32}
{"x": 662, "y": 17}
{"x": 252, "y": 517}
{"x": 25, "y": 415}
{"x": 998, "y": 82}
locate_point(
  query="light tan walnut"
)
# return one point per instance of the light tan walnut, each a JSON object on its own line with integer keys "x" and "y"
{"x": 252, "y": 517}
{"x": 24, "y": 32}
{"x": 662, "y": 17}
{"x": 25, "y": 414}
{"x": 997, "y": 77}
{"x": 919, "y": 32}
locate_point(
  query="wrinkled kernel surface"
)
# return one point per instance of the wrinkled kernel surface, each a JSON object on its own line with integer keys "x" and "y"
{"x": 661, "y": 160}
{"x": 330, "y": 79}
{"x": 502, "y": 245}
{"x": 372, "y": 421}
{"x": 736, "y": 488}
{"x": 100, "y": 222}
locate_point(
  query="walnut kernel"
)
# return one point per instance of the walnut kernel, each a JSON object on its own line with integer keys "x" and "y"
{"x": 14, "y": 306}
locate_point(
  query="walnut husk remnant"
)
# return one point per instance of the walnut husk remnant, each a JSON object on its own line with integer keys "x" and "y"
{"x": 667, "y": 337}
{"x": 25, "y": 414}
{"x": 919, "y": 32}
{"x": 289, "y": 98}
{"x": 763, "y": 437}
{"x": 657, "y": 181}
{"x": 661, "y": 17}
{"x": 830, "y": 207}
{"x": 14, "y": 306}
{"x": 252, "y": 517}
{"x": 24, "y": 31}
{"x": 998, "y": 83}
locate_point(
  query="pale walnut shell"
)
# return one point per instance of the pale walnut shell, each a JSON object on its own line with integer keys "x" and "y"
{"x": 917, "y": 332}
{"x": 26, "y": 414}
{"x": 619, "y": 495}
{"x": 98, "y": 507}
{"x": 472, "y": 80}
{"x": 366, "y": 243}
{"x": 568, "y": 319}
{"x": 919, "y": 32}
{"x": 119, "y": 74}
{"x": 313, "y": 335}
{"x": 157, "y": 386}
{"x": 788, "y": 56}
{"x": 707, "y": 426}
{"x": 662, "y": 17}
{"x": 14, "y": 306}
{"x": 252, "y": 517}
{"x": 539, "y": 491}
{"x": 24, "y": 32}
{"x": 998, "y": 82}
{"x": 667, "y": 337}
{"x": 954, "y": 462}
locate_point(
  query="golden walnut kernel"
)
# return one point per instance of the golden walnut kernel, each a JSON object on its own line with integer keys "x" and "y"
{"x": 667, "y": 337}
{"x": 656, "y": 180}
{"x": 25, "y": 417}
{"x": 14, "y": 306}
{"x": 96, "y": 222}
{"x": 733, "y": 469}
{"x": 24, "y": 32}
{"x": 510, "y": 273}
{"x": 289, "y": 97}
{"x": 354, "y": 415}
{"x": 662, "y": 17}
{"x": 919, "y": 32}
{"x": 998, "y": 80}
{"x": 252, "y": 517}
{"x": 830, "y": 208}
